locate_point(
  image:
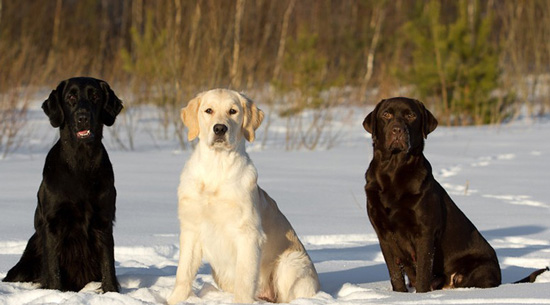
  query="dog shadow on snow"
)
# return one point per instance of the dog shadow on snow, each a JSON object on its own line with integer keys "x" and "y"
{"x": 134, "y": 278}
{"x": 332, "y": 281}
{"x": 517, "y": 250}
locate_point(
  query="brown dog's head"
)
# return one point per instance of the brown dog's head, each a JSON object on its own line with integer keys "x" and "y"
{"x": 399, "y": 124}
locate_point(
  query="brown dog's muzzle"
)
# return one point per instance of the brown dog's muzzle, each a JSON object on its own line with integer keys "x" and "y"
{"x": 397, "y": 137}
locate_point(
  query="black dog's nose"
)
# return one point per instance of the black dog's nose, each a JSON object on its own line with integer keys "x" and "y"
{"x": 220, "y": 129}
{"x": 83, "y": 119}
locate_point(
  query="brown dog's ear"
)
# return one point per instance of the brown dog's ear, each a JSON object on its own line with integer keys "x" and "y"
{"x": 112, "y": 106}
{"x": 429, "y": 122}
{"x": 252, "y": 117}
{"x": 189, "y": 116}
{"x": 52, "y": 106}
{"x": 370, "y": 121}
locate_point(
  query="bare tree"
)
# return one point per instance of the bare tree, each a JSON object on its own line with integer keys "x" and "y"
{"x": 234, "y": 74}
{"x": 51, "y": 59}
{"x": 282, "y": 40}
{"x": 376, "y": 26}
{"x": 103, "y": 34}
{"x": 0, "y": 14}
{"x": 137, "y": 14}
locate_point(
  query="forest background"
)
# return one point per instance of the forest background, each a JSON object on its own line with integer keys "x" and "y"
{"x": 471, "y": 61}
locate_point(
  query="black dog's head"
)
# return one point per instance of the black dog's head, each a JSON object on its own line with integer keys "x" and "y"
{"x": 80, "y": 106}
{"x": 399, "y": 124}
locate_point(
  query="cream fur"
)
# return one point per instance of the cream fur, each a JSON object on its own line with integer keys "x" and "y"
{"x": 227, "y": 219}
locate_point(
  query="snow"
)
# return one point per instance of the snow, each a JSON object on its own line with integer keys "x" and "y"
{"x": 498, "y": 175}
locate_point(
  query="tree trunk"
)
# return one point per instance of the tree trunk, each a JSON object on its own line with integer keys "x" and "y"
{"x": 282, "y": 41}
{"x": 99, "y": 62}
{"x": 379, "y": 18}
{"x": 234, "y": 74}
{"x": 137, "y": 15}
{"x": 54, "y": 48}
{"x": 0, "y": 18}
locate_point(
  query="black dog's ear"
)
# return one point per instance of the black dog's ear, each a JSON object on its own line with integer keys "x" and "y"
{"x": 370, "y": 121}
{"x": 111, "y": 107}
{"x": 52, "y": 106}
{"x": 429, "y": 122}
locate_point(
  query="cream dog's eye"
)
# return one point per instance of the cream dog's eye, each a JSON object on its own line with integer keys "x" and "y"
{"x": 232, "y": 111}
{"x": 209, "y": 111}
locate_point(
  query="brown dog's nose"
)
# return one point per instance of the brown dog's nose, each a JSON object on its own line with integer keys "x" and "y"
{"x": 397, "y": 130}
{"x": 220, "y": 129}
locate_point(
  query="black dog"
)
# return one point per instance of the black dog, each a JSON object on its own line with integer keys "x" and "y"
{"x": 422, "y": 232}
{"x": 73, "y": 243}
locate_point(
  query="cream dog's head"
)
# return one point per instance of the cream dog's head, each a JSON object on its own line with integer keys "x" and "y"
{"x": 221, "y": 118}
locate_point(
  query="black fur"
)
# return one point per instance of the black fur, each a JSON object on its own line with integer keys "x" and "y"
{"x": 73, "y": 243}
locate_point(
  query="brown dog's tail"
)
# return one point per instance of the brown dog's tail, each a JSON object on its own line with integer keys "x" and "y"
{"x": 532, "y": 277}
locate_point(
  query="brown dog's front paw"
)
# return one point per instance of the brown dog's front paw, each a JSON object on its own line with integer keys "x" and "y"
{"x": 424, "y": 288}
{"x": 400, "y": 287}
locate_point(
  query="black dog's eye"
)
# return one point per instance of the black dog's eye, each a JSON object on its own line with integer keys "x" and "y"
{"x": 71, "y": 98}
{"x": 386, "y": 115}
{"x": 94, "y": 96}
{"x": 411, "y": 116}
{"x": 209, "y": 111}
{"x": 232, "y": 111}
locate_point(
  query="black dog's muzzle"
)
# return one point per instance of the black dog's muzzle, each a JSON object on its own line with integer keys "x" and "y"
{"x": 83, "y": 122}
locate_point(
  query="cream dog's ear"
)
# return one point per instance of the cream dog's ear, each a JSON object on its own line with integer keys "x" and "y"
{"x": 253, "y": 117}
{"x": 189, "y": 116}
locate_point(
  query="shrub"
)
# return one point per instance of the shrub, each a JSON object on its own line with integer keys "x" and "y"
{"x": 456, "y": 64}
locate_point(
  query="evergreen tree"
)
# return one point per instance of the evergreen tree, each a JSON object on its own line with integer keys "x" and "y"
{"x": 456, "y": 63}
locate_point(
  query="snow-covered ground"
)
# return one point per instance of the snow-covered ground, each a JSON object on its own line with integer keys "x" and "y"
{"x": 498, "y": 175}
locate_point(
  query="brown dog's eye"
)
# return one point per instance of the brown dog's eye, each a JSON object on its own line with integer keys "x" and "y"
{"x": 411, "y": 116}
{"x": 232, "y": 111}
{"x": 386, "y": 115}
{"x": 209, "y": 111}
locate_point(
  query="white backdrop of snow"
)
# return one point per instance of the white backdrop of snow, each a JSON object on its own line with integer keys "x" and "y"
{"x": 498, "y": 175}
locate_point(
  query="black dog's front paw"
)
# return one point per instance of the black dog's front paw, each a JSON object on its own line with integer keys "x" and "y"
{"x": 110, "y": 287}
{"x": 54, "y": 284}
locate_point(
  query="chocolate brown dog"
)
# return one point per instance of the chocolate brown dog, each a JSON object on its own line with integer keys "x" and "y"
{"x": 422, "y": 233}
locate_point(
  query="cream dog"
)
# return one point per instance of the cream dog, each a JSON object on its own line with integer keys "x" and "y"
{"x": 227, "y": 218}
